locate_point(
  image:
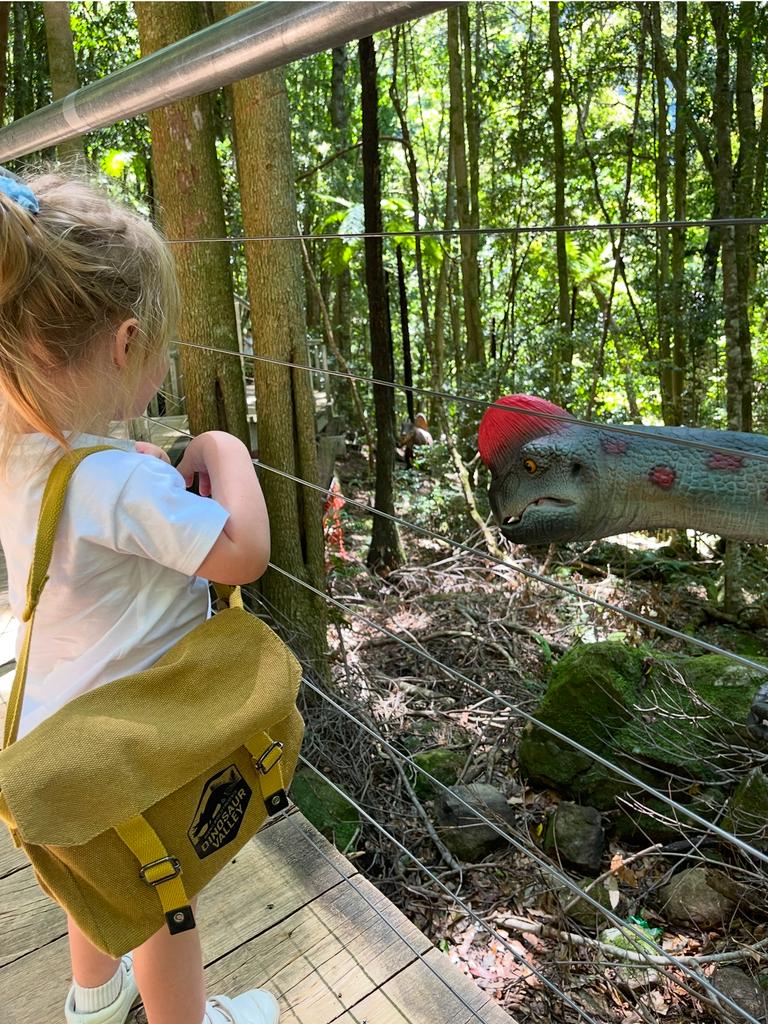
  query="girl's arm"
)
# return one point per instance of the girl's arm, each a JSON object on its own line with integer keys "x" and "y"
{"x": 226, "y": 473}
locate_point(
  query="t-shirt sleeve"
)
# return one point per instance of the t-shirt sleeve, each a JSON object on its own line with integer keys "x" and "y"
{"x": 154, "y": 516}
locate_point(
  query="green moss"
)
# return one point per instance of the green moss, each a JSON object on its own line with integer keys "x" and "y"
{"x": 658, "y": 718}
{"x": 445, "y": 765}
{"x": 329, "y": 812}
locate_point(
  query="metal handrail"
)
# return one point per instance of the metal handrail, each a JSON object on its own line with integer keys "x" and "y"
{"x": 259, "y": 38}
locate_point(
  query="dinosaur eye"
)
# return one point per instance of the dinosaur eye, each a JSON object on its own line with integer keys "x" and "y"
{"x": 530, "y": 466}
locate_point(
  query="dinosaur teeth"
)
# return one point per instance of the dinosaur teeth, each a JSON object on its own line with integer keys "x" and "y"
{"x": 511, "y": 520}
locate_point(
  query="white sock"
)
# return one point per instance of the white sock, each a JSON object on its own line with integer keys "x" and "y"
{"x": 88, "y": 1000}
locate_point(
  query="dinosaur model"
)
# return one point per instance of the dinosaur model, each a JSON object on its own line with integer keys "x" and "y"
{"x": 554, "y": 480}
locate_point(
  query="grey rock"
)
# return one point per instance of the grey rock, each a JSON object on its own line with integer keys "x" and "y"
{"x": 691, "y": 898}
{"x": 575, "y": 835}
{"x": 463, "y": 833}
{"x": 743, "y": 990}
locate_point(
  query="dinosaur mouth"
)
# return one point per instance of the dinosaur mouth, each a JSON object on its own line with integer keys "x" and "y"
{"x": 539, "y": 503}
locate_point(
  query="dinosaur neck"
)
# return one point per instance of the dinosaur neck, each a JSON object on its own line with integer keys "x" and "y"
{"x": 655, "y": 484}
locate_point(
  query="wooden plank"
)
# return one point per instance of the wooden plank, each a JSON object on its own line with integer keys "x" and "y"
{"x": 30, "y": 918}
{"x": 275, "y": 874}
{"x": 11, "y": 859}
{"x": 417, "y": 995}
{"x": 326, "y": 957}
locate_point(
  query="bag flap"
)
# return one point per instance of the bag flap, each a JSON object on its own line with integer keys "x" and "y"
{"x": 117, "y": 750}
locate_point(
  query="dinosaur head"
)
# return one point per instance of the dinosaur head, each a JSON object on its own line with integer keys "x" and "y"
{"x": 541, "y": 470}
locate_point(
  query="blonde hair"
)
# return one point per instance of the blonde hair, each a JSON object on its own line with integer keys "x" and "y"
{"x": 69, "y": 276}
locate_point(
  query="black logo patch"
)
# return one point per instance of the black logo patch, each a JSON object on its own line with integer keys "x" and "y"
{"x": 220, "y": 812}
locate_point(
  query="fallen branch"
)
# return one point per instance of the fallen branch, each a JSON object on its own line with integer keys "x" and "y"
{"x": 522, "y": 924}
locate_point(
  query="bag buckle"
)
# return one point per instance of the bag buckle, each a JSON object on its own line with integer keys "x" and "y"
{"x": 175, "y": 871}
{"x": 269, "y": 758}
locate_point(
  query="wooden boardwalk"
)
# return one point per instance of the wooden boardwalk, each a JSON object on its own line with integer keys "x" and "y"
{"x": 290, "y": 913}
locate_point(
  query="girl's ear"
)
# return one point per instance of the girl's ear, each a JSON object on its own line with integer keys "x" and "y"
{"x": 122, "y": 343}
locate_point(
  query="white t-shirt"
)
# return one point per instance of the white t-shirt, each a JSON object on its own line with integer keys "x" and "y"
{"x": 121, "y": 588}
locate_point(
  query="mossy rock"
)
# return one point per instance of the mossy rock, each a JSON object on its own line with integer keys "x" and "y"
{"x": 445, "y": 765}
{"x": 747, "y": 815}
{"x": 324, "y": 808}
{"x": 659, "y": 718}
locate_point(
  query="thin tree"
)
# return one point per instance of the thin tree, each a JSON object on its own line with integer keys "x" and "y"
{"x": 470, "y": 274}
{"x": 666, "y": 375}
{"x": 386, "y": 551}
{"x": 61, "y": 62}
{"x": 284, "y": 398}
{"x": 187, "y": 186}
{"x": 679, "y": 333}
{"x": 563, "y": 353}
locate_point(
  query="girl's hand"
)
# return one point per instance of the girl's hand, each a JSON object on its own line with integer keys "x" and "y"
{"x": 196, "y": 457}
{"x": 145, "y": 448}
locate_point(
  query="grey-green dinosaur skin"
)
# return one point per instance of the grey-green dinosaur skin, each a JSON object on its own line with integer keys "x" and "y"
{"x": 582, "y": 483}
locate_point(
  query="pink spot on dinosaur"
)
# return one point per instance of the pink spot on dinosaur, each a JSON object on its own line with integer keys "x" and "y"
{"x": 662, "y": 476}
{"x": 719, "y": 460}
{"x": 614, "y": 446}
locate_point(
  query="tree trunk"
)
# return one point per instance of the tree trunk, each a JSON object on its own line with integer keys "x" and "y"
{"x": 405, "y": 332}
{"x": 61, "y": 62}
{"x": 743, "y": 192}
{"x": 666, "y": 375}
{"x": 679, "y": 333}
{"x": 736, "y": 390}
{"x": 188, "y": 192}
{"x": 470, "y": 276}
{"x": 386, "y": 551}
{"x": 563, "y": 354}
{"x": 5, "y": 15}
{"x": 284, "y": 397}
{"x": 721, "y": 116}
{"x": 413, "y": 178}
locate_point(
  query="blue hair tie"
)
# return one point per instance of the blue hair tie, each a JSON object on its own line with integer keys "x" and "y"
{"x": 16, "y": 190}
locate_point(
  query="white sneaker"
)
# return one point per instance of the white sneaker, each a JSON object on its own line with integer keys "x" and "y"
{"x": 117, "y": 1011}
{"x": 255, "y": 1007}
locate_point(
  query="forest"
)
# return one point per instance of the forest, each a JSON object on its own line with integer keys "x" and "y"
{"x": 561, "y": 200}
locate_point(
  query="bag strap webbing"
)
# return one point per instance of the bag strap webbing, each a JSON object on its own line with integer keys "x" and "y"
{"x": 266, "y": 755}
{"x": 158, "y": 869}
{"x": 51, "y": 508}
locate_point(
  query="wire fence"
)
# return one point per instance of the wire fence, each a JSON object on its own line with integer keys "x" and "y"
{"x": 645, "y": 950}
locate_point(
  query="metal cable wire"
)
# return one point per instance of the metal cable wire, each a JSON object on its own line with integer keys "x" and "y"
{"x": 503, "y": 833}
{"x": 690, "y": 972}
{"x": 488, "y": 557}
{"x": 459, "y": 902}
{"x": 609, "y": 428}
{"x": 530, "y": 573}
{"x": 389, "y": 924}
{"x": 523, "y": 229}
{"x": 707, "y": 826}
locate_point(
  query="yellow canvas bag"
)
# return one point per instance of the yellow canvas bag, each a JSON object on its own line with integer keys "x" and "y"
{"x": 131, "y": 797}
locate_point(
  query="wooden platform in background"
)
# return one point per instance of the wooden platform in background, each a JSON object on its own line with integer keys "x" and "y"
{"x": 290, "y": 913}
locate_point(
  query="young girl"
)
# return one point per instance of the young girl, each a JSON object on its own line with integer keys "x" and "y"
{"x": 88, "y": 302}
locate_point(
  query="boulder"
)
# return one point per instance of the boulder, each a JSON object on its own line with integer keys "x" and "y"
{"x": 743, "y": 990}
{"x": 575, "y": 835}
{"x": 560, "y": 899}
{"x": 463, "y": 833}
{"x": 445, "y": 765}
{"x": 630, "y": 705}
{"x": 747, "y": 814}
{"x": 701, "y": 896}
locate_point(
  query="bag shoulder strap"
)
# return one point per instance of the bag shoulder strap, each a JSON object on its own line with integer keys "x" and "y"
{"x": 51, "y": 508}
